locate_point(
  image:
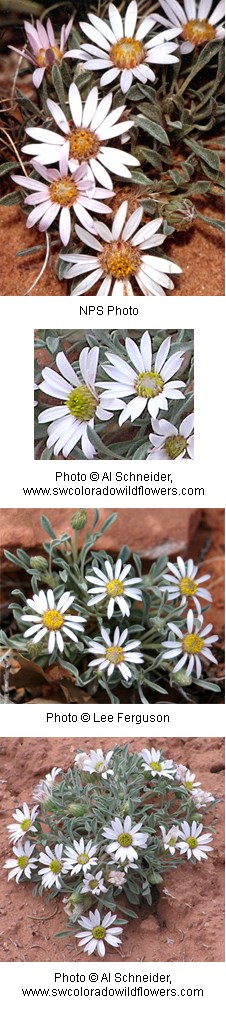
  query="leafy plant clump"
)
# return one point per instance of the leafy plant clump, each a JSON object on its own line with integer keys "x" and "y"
{"x": 145, "y": 413}
{"x": 96, "y": 626}
{"x": 120, "y": 141}
{"x": 103, "y": 834}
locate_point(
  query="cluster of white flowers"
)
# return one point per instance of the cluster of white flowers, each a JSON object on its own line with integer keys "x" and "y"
{"x": 106, "y": 861}
{"x": 141, "y": 384}
{"x": 183, "y": 585}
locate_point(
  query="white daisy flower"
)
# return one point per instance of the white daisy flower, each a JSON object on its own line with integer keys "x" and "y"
{"x": 44, "y": 49}
{"x": 72, "y": 906}
{"x": 53, "y": 867}
{"x": 25, "y": 822}
{"x": 94, "y": 884}
{"x": 97, "y": 763}
{"x": 121, "y": 52}
{"x": 183, "y": 584}
{"x": 61, "y": 193}
{"x": 113, "y": 655}
{"x": 44, "y": 788}
{"x": 193, "y": 842}
{"x": 113, "y": 587}
{"x": 80, "y": 759}
{"x": 120, "y": 256}
{"x": 147, "y": 380}
{"x": 97, "y": 932}
{"x": 192, "y": 646}
{"x": 153, "y": 762}
{"x": 79, "y": 857}
{"x": 117, "y": 878}
{"x": 202, "y": 798}
{"x": 170, "y": 442}
{"x": 24, "y": 862}
{"x": 81, "y": 403}
{"x": 50, "y": 618}
{"x": 169, "y": 838}
{"x": 87, "y": 139}
{"x": 187, "y": 778}
{"x": 125, "y": 839}
{"x": 193, "y": 21}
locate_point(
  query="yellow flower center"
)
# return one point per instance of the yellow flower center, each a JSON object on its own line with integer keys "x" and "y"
{"x": 56, "y": 866}
{"x": 188, "y": 587}
{"x": 47, "y": 57}
{"x": 189, "y": 785}
{"x": 93, "y": 884}
{"x": 98, "y": 932}
{"x": 82, "y": 403}
{"x": 124, "y": 840}
{"x": 172, "y": 840}
{"x": 192, "y": 644}
{"x": 149, "y": 384}
{"x": 115, "y": 588}
{"x": 52, "y": 620}
{"x": 174, "y": 445}
{"x": 22, "y": 862}
{"x": 127, "y": 53}
{"x": 115, "y": 654}
{"x": 156, "y": 765}
{"x": 83, "y": 859}
{"x": 192, "y": 843}
{"x": 199, "y": 32}
{"x": 26, "y": 824}
{"x": 63, "y": 191}
{"x": 120, "y": 259}
{"x": 84, "y": 144}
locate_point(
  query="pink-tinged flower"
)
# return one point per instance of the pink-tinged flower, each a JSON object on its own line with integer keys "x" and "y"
{"x": 60, "y": 193}
{"x": 120, "y": 49}
{"x": 44, "y": 49}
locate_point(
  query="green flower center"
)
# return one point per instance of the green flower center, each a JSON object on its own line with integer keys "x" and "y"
{"x": 115, "y": 588}
{"x": 124, "y": 840}
{"x": 93, "y": 884}
{"x": 127, "y": 53}
{"x": 189, "y": 785}
{"x": 81, "y": 403}
{"x": 22, "y": 861}
{"x": 156, "y": 765}
{"x": 172, "y": 840}
{"x": 83, "y": 859}
{"x": 99, "y": 932}
{"x": 192, "y": 843}
{"x": 188, "y": 587}
{"x": 115, "y": 654}
{"x": 149, "y": 384}
{"x": 26, "y": 824}
{"x": 198, "y": 32}
{"x": 192, "y": 644}
{"x": 175, "y": 445}
{"x": 52, "y": 620}
{"x": 56, "y": 866}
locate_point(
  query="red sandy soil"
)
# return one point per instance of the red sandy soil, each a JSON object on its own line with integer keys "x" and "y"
{"x": 187, "y": 920}
{"x": 199, "y": 253}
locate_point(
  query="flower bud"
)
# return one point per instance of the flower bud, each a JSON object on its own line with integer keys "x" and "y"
{"x": 77, "y": 809}
{"x": 79, "y": 519}
{"x": 180, "y": 214}
{"x": 182, "y": 678}
{"x": 41, "y": 564}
